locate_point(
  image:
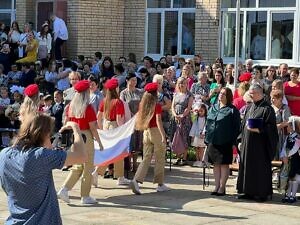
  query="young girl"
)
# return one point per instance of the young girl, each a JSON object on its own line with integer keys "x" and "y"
{"x": 290, "y": 156}
{"x": 197, "y": 132}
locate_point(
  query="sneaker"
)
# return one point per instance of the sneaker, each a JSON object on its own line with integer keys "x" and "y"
{"x": 123, "y": 181}
{"x": 63, "y": 195}
{"x": 162, "y": 188}
{"x": 88, "y": 200}
{"x": 95, "y": 179}
{"x": 135, "y": 187}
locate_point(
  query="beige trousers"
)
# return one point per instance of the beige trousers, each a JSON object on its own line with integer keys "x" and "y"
{"x": 83, "y": 171}
{"x": 152, "y": 144}
{"x": 118, "y": 166}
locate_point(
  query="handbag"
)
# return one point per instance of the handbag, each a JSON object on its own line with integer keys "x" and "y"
{"x": 178, "y": 146}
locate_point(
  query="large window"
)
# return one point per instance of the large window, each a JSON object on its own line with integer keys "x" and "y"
{"x": 170, "y": 27}
{"x": 269, "y": 31}
{"x": 7, "y": 11}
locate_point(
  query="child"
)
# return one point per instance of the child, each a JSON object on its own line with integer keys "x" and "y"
{"x": 47, "y": 108}
{"x": 290, "y": 156}
{"x": 58, "y": 109}
{"x": 197, "y": 132}
{"x": 4, "y": 98}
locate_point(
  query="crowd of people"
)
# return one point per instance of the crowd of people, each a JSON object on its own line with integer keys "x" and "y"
{"x": 178, "y": 102}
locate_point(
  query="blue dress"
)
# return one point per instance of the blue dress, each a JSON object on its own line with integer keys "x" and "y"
{"x": 26, "y": 177}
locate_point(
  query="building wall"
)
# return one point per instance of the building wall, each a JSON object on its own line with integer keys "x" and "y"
{"x": 96, "y": 26}
{"x": 207, "y": 29}
{"x": 117, "y": 27}
{"x": 134, "y": 27}
{"x": 25, "y": 12}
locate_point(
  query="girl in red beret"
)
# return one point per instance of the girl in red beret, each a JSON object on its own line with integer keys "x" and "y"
{"x": 111, "y": 115}
{"x": 149, "y": 120}
{"x": 30, "y": 105}
{"x": 81, "y": 112}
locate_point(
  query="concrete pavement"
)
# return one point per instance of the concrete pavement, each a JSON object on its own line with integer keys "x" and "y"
{"x": 186, "y": 204}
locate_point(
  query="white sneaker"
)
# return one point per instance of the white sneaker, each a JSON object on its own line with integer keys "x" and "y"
{"x": 88, "y": 200}
{"x": 95, "y": 179}
{"x": 63, "y": 195}
{"x": 135, "y": 187}
{"x": 162, "y": 188}
{"x": 123, "y": 181}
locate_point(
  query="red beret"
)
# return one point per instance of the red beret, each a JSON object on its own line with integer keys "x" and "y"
{"x": 82, "y": 85}
{"x": 151, "y": 87}
{"x": 31, "y": 90}
{"x": 245, "y": 77}
{"x": 111, "y": 84}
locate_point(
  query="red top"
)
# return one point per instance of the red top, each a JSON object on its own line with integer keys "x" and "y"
{"x": 158, "y": 111}
{"x": 293, "y": 91}
{"x": 239, "y": 102}
{"x": 83, "y": 123}
{"x": 236, "y": 94}
{"x": 117, "y": 109}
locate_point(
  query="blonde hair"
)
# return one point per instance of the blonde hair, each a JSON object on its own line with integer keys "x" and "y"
{"x": 146, "y": 110}
{"x": 158, "y": 77}
{"x": 243, "y": 87}
{"x": 79, "y": 104}
{"x": 179, "y": 80}
{"x": 29, "y": 106}
{"x": 74, "y": 73}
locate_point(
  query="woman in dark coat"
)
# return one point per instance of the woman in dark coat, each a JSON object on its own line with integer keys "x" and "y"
{"x": 222, "y": 129}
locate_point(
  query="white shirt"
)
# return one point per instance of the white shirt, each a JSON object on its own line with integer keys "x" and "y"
{"x": 60, "y": 29}
{"x": 46, "y": 41}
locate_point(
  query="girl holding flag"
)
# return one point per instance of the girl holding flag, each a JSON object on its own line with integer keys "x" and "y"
{"x": 81, "y": 112}
{"x": 111, "y": 115}
{"x": 149, "y": 120}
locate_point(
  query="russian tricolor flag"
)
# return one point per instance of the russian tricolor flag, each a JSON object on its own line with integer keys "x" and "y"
{"x": 115, "y": 142}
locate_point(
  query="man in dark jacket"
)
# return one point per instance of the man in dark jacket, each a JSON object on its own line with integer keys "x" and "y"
{"x": 28, "y": 75}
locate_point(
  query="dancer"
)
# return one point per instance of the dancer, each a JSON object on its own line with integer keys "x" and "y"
{"x": 149, "y": 120}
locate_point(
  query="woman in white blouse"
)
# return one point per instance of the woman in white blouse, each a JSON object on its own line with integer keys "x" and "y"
{"x": 45, "y": 40}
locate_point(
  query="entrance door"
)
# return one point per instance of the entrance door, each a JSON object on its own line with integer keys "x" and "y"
{"x": 44, "y": 9}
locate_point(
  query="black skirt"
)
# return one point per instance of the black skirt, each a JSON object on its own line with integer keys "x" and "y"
{"x": 220, "y": 154}
{"x": 295, "y": 165}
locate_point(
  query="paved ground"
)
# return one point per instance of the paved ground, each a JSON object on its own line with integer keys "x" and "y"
{"x": 186, "y": 204}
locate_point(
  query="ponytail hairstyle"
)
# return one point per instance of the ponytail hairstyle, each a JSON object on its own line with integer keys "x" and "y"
{"x": 146, "y": 110}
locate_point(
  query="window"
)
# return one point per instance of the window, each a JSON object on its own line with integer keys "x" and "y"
{"x": 243, "y": 3}
{"x": 229, "y": 32}
{"x": 277, "y": 3}
{"x": 7, "y": 11}
{"x": 282, "y": 36}
{"x": 154, "y": 30}
{"x": 269, "y": 31}
{"x": 257, "y": 35}
{"x": 170, "y": 27}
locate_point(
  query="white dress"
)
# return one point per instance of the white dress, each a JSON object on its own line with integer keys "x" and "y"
{"x": 196, "y": 130}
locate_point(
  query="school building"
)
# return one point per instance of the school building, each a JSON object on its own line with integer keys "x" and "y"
{"x": 269, "y": 29}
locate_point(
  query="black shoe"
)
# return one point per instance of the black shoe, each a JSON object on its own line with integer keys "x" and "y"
{"x": 244, "y": 196}
{"x": 107, "y": 175}
{"x": 221, "y": 194}
{"x": 214, "y": 193}
{"x": 66, "y": 168}
{"x": 285, "y": 199}
{"x": 292, "y": 200}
